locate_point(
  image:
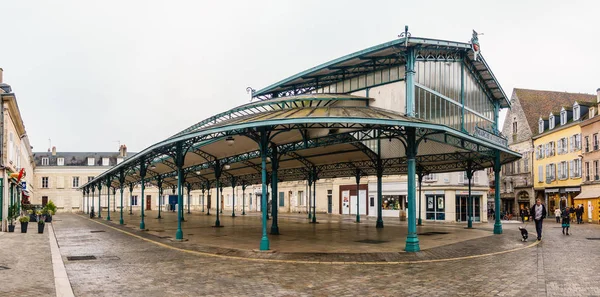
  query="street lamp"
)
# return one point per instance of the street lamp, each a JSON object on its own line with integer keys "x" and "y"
{"x": 227, "y": 166}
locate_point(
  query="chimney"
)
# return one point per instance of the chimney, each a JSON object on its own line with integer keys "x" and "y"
{"x": 54, "y": 151}
{"x": 597, "y": 90}
{"x": 1, "y": 71}
{"x": 123, "y": 151}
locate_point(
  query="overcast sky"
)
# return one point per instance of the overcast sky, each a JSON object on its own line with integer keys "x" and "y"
{"x": 90, "y": 73}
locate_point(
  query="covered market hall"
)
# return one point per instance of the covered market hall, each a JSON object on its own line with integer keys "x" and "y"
{"x": 412, "y": 106}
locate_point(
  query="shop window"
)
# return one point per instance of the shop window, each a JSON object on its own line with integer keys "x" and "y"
{"x": 435, "y": 208}
{"x": 392, "y": 202}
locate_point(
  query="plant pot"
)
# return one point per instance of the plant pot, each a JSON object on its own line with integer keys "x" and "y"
{"x": 11, "y": 228}
{"x": 48, "y": 218}
{"x": 41, "y": 228}
{"x": 24, "y": 227}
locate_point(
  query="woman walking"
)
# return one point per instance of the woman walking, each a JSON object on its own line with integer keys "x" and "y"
{"x": 566, "y": 220}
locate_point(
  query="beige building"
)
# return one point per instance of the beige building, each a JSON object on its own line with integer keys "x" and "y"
{"x": 15, "y": 155}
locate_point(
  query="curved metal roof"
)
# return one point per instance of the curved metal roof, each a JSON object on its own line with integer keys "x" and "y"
{"x": 383, "y": 55}
{"x": 336, "y": 135}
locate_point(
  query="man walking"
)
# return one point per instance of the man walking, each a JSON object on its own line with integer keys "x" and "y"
{"x": 538, "y": 213}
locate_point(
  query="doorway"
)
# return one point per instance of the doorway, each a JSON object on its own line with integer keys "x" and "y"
{"x": 149, "y": 202}
{"x": 329, "y": 201}
{"x": 44, "y": 200}
{"x": 461, "y": 208}
{"x": 435, "y": 210}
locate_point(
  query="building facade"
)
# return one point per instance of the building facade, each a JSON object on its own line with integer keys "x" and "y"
{"x": 590, "y": 188}
{"x": 520, "y": 126}
{"x": 16, "y": 156}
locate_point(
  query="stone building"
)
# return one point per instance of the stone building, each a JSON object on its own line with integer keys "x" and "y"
{"x": 15, "y": 155}
{"x": 520, "y": 125}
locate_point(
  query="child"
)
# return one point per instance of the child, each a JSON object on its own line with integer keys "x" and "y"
{"x": 557, "y": 214}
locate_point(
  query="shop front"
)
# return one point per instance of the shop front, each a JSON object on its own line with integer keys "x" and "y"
{"x": 393, "y": 199}
{"x": 462, "y": 205}
{"x": 348, "y": 199}
{"x": 590, "y": 199}
{"x": 507, "y": 203}
{"x": 560, "y": 197}
{"x": 435, "y": 206}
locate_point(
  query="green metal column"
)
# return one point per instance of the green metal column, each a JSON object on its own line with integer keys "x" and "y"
{"x": 264, "y": 142}
{"x": 221, "y": 197}
{"x": 470, "y": 201}
{"x": 108, "y": 198}
{"x": 420, "y": 175}
{"x": 160, "y": 195}
{"x": 92, "y": 199}
{"x": 208, "y": 194}
{"x": 410, "y": 82}
{"x": 99, "y": 199}
{"x": 1, "y": 202}
{"x": 12, "y": 195}
{"x": 379, "y": 171}
{"x": 143, "y": 171}
{"x": 233, "y": 185}
{"x": 19, "y": 198}
{"x": 179, "y": 160}
{"x": 357, "y": 195}
{"x": 121, "y": 185}
{"x": 82, "y": 208}
{"x": 202, "y": 199}
{"x": 189, "y": 190}
{"x": 497, "y": 166}
{"x": 217, "y": 185}
{"x": 274, "y": 190}
{"x": 87, "y": 201}
{"x": 314, "y": 175}
{"x": 243, "y": 198}
{"x": 309, "y": 194}
{"x": 130, "y": 198}
{"x": 412, "y": 241}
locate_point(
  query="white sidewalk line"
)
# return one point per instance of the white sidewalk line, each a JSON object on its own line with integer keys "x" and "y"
{"x": 61, "y": 279}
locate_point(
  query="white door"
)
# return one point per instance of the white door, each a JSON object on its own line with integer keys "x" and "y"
{"x": 372, "y": 206}
{"x": 346, "y": 202}
{"x": 590, "y": 209}
{"x": 362, "y": 203}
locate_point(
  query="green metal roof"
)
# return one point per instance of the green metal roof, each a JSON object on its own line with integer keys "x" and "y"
{"x": 309, "y": 80}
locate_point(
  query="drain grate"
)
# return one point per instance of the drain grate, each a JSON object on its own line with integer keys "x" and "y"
{"x": 163, "y": 237}
{"x": 371, "y": 241}
{"x": 4, "y": 268}
{"x": 593, "y": 238}
{"x": 80, "y": 258}
{"x": 97, "y": 231}
{"x": 433, "y": 233}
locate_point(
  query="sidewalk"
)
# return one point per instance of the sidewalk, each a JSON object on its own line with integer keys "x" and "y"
{"x": 29, "y": 261}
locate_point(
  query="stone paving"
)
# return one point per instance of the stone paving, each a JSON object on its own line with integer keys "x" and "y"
{"x": 132, "y": 266}
{"x": 27, "y": 255}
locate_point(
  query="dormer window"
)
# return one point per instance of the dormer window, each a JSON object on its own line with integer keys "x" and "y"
{"x": 91, "y": 161}
{"x": 60, "y": 161}
{"x": 45, "y": 161}
{"x": 576, "y": 111}
{"x": 592, "y": 112}
{"x": 563, "y": 117}
{"x": 551, "y": 120}
{"x": 104, "y": 161}
{"x": 541, "y": 126}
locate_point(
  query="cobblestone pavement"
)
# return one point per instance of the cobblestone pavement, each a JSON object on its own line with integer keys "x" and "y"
{"x": 27, "y": 255}
{"x": 129, "y": 266}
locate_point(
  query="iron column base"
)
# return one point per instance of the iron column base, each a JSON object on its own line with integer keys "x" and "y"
{"x": 420, "y": 222}
{"x": 379, "y": 224}
{"x": 497, "y": 228}
{"x": 274, "y": 230}
{"x": 264, "y": 244}
{"x": 412, "y": 243}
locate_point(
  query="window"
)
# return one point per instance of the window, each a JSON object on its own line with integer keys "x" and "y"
{"x": 515, "y": 127}
{"x": 11, "y": 150}
{"x": 575, "y": 111}
{"x": 595, "y": 141}
{"x": 432, "y": 177}
{"x": 301, "y": 198}
{"x": 282, "y": 198}
{"x": 551, "y": 120}
{"x": 91, "y": 161}
{"x": 562, "y": 170}
{"x": 45, "y": 161}
{"x": 75, "y": 181}
{"x": 60, "y": 161}
{"x": 228, "y": 200}
{"x": 563, "y": 117}
{"x": 575, "y": 166}
{"x": 90, "y": 178}
{"x": 105, "y": 162}
{"x": 119, "y": 160}
{"x": 540, "y": 174}
{"x": 562, "y": 145}
{"x": 587, "y": 144}
{"x": 575, "y": 144}
{"x": 45, "y": 182}
{"x": 462, "y": 177}
{"x": 587, "y": 171}
{"x": 550, "y": 173}
{"x": 541, "y": 126}
{"x": 526, "y": 164}
{"x": 134, "y": 200}
{"x": 596, "y": 177}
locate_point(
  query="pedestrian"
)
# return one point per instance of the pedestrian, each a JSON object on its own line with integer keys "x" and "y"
{"x": 579, "y": 214}
{"x": 566, "y": 220}
{"x": 557, "y": 213}
{"x": 538, "y": 213}
{"x": 522, "y": 214}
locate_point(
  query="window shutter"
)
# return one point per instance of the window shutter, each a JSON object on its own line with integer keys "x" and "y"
{"x": 461, "y": 177}
{"x": 540, "y": 173}
{"x": 560, "y": 147}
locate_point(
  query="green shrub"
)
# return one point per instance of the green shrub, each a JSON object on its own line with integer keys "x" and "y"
{"x": 51, "y": 207}
{"x": 24, "y": 219}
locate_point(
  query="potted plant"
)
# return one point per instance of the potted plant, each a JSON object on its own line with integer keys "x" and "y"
{"x": 32, "y": 215}
{"x": 50, "y": 210}
{"x": 24, "y": 222}
{"x": 13, "y": 213}
{"x": 41, "y": 225}
{"x": 46, "y": 215}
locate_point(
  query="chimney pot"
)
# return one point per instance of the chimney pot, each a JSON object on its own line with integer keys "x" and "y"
{"x": 54, "y": 151}
{"x": 1, "y": 72}
{"x": 597, "y": 93}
